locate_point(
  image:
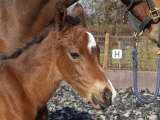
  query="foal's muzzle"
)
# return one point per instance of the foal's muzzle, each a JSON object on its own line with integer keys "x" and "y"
{"x": 107, "y": 97}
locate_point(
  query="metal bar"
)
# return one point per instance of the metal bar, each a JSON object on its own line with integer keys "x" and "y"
{"x": 125, "y": 37}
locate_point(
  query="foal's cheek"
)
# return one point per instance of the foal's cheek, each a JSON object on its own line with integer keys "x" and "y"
{"x": 81, "y": 72}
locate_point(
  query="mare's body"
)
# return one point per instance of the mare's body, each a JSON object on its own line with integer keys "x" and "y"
{"x": 23, "y": 20}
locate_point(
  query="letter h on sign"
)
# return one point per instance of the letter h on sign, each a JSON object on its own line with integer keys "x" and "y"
{"x": 116, "y": 53}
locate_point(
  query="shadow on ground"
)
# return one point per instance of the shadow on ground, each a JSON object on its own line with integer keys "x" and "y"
{"x": 69, "y": 114}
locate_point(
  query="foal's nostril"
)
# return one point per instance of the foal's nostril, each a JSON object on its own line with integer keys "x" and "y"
{"x": 107, "y": 96}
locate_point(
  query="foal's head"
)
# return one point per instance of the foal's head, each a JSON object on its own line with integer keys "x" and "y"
{"x": 78, "y": 63}
{"x": 140, "y": 10}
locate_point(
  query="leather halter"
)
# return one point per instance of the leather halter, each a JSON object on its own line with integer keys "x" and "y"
{"x": 149, "y": 18}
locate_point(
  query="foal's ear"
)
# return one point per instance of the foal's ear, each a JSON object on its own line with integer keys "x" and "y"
{"x": 80, "y": 13}
{"x": 60, "y": 16}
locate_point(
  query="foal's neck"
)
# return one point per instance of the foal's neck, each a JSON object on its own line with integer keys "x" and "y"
{"x": 40, "y": 74}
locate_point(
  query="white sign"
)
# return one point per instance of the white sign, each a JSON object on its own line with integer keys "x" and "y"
{"x": 116, "y": 53}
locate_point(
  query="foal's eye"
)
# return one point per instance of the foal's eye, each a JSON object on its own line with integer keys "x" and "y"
{"x": 75, "y": 55}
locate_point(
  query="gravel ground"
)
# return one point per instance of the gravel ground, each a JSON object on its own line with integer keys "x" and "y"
{"x": 67, "y": 104}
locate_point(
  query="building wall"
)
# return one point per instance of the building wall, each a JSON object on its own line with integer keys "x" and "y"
{"x": 124, "y": 79}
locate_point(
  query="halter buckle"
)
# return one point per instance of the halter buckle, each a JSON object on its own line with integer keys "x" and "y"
{"x": 153, "y": 12}
{"x": 138, "y": 33}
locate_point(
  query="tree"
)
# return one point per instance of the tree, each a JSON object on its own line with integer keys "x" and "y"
{"x": 107, "y": 16}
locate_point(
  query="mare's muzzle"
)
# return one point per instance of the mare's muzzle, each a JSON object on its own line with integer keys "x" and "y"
{"x": 107, "y": 97}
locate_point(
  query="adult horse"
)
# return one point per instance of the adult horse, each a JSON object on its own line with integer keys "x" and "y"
{"x": 32, "y": 74}
{"x": 147, "y": 11}
{"x": 23, "y": 20}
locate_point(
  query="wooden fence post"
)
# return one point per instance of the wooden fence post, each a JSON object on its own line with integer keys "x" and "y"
{"x": 106, "y": 51}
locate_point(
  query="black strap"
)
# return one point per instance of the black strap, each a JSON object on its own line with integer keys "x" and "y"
{"x": 133, "y": 21}
{"x": 145, "y": 22}
{"x": 150, "y": 5}
{"x": 135, "y": 25}
{"x": 130, "y": 6}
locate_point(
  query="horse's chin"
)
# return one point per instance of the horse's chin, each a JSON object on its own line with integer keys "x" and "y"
{"x": 158, "y": 44}
{"x": 154, "y": 33}
{"x": 158, "y": 41}
{"x": 155, "y": 38}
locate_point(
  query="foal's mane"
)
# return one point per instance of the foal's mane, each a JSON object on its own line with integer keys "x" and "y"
{"x": 71, "y": 20}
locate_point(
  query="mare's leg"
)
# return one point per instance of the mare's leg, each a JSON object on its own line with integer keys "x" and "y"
{"x": 42, "y": 113}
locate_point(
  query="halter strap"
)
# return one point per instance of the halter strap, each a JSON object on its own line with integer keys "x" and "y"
{"x": 131, "y": 5}
{"x": 150, "y": 5}
{"x": 149, "y": 18}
